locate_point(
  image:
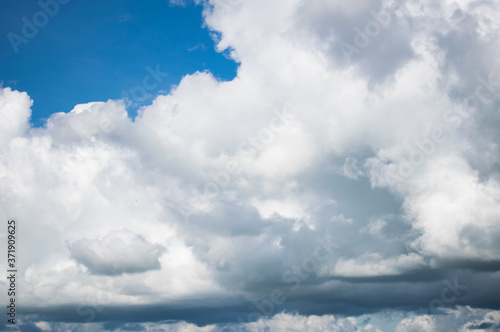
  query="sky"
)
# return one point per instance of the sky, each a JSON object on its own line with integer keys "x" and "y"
{"x": 251, "y": 165}
{"x": 95, "y": 51}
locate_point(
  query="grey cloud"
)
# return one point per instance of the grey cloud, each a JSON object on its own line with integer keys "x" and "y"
{"x": 116, "y": 253}
{"x": 366, "y": 35}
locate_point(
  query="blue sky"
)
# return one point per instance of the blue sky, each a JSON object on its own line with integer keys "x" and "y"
{"x": 99, "y": 50}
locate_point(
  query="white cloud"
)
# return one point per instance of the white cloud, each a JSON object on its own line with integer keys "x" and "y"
{"x": 288, "y": 322}
{"x": 460, "y": 319}
{"x": 15, "y": 112}
{"x": 370, "y": 265}
{"x": 351, "y": 169}
{"x": 374, "y": 227}
{"x": 168, "y": 177}
{"x": 419, "y": 323}
{"x": 118, "y": 252}
{"x": 456, "y": 211}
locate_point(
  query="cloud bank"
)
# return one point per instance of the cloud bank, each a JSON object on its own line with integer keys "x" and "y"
{"x": 351, "y": 168}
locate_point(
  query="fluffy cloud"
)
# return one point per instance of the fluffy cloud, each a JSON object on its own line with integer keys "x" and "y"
{"x": 461, "y": 319}
{"x": 286, "y": 322}
{"x": 118, "y": 252}
{"x": 225, "y": 188}
{"x": 16, "y": 113}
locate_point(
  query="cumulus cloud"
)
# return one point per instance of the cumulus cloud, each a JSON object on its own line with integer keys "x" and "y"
{"x": 389, "y": 152}
{"x": 460, "y": 319}
{"x": 16, "y": 112}
{"x": 118, "y": 252}
{"x": 287, "y": 322}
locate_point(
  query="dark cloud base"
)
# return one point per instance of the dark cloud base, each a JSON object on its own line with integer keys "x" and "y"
{"x": 420, "y": 293}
